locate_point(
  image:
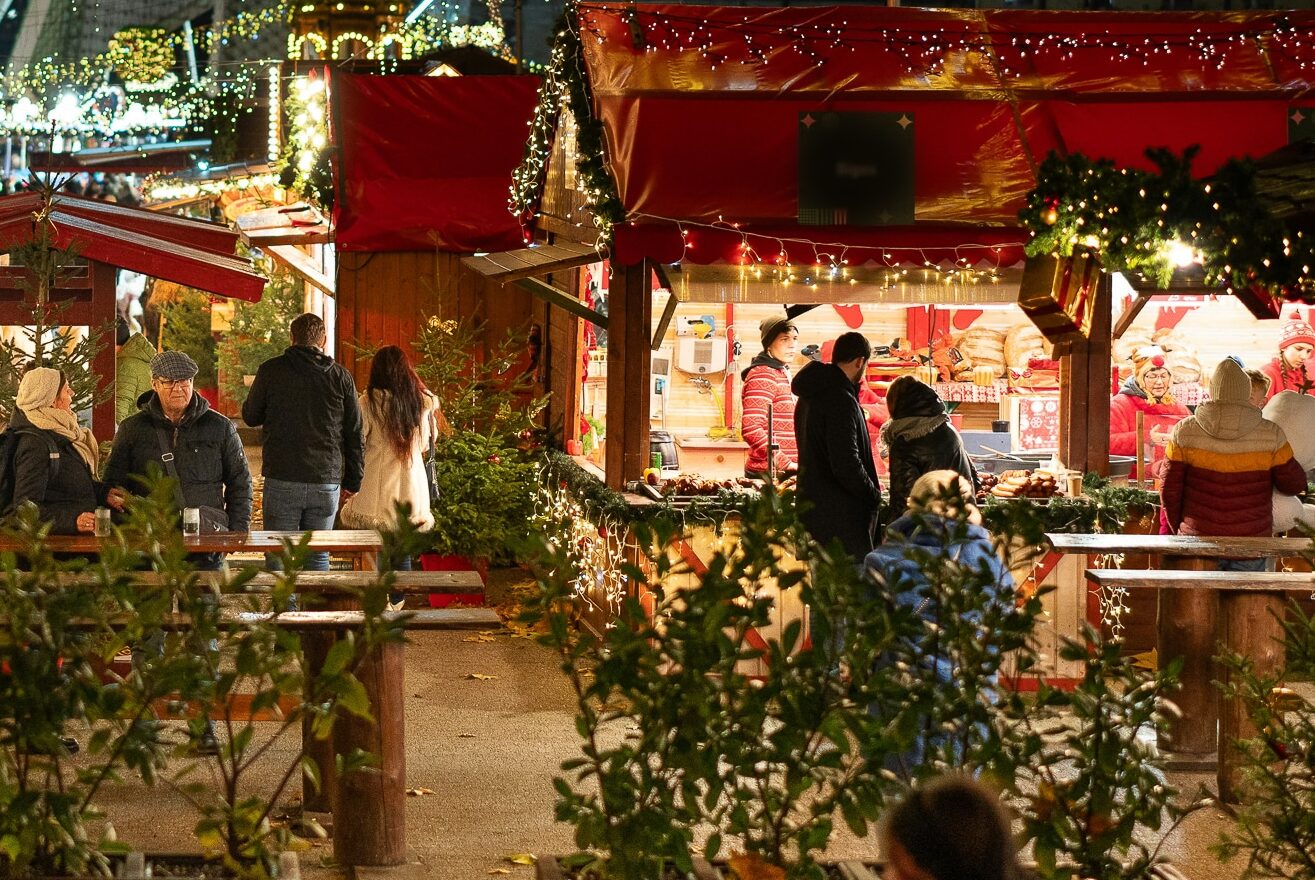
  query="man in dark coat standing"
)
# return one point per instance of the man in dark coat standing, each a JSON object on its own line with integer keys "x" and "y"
{"x": 313, "y": 457}
{"x": 837, "y": 476}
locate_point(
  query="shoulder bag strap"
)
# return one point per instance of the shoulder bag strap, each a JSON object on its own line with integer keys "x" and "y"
{"x": 167, "y": 456}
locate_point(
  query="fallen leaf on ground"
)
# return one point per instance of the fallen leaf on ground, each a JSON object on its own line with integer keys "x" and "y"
{"x": 522, "y": 858}
{"x": 419, "y": 792}
{"x": 465, "y": 736}
{"x": 479, "y": 676}
{"x": 499, "y": 871}
{"x": 479, "y": 638}
{"x": 748, "y": 866}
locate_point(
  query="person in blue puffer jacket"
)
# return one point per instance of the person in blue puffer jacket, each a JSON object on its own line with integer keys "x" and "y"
{"x": 942, "y": 521}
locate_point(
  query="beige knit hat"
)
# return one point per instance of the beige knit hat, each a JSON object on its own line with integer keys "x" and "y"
{"x": 39, "y": 388}
{"x": 1230, "y": 383}
{"x": 944, "y": 493}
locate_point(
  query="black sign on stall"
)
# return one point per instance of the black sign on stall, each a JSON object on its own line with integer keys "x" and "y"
{"x": 855, "y": 169}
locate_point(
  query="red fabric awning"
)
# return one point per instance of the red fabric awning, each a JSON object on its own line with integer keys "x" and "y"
{"x": 190, "y": 252}
{"x": 701, "y": 108}
{"x": 426, "y": 162}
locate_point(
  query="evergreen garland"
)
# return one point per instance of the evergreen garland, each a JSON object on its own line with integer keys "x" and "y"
{"x": 1132, "y": 217}
{"x": 565, "y": 83}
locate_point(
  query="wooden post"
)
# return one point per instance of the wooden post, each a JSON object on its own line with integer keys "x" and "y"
{"x": 316, "y": 646}
{"x": 103, "y": 311}
{"x": 1084, "y": 392}
{"x": 1186, "y": 628}
{"x": 629, "y": 365}
{"x": 1141, "y": 448}
{"x": 369, "y": 819}
{"x": 1251, "y": 626}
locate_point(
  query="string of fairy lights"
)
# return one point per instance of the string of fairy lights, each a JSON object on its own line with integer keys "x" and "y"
{"x": 594, "y": 545}
{"x": 131, "y": 87}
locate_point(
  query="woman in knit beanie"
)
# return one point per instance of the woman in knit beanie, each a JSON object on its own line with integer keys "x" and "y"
{"x": 767, "y": 384}
{"x": 54, "y": 458}
{"x": 1149, "y": 390}
{"x": 1289, "y": 371}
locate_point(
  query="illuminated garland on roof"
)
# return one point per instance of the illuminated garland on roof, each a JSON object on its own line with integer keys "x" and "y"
{"x": 1151, "y": 222}
{"x": 565, "y": 85}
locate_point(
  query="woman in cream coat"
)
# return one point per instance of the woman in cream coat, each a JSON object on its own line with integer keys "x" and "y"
{"x": 398, "y": 418}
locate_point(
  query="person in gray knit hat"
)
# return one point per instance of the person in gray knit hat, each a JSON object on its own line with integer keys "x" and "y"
{"x": 175, "y": 431}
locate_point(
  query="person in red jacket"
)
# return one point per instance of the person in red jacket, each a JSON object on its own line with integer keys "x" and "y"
{"x": 1224, "y": 465}
{"x": 767, "y": 390}
{"x": 1146, "y": 391}
{"x": 1289, "y": 371}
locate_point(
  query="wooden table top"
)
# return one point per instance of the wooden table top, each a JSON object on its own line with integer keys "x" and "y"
{"x": 332, "y": 540}
{"x": 326, "y": 582}
{"x": 1179, "y": 545}
{"x": 1245, "y": 581}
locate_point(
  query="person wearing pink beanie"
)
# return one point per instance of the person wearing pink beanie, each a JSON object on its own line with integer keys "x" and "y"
{"x": 1289, "y": 371}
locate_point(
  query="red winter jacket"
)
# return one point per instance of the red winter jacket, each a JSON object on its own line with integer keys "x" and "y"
{"x": 1124, "y": 407}
{"x": 767, "y": 382}
{"x": 1280, "y": 379}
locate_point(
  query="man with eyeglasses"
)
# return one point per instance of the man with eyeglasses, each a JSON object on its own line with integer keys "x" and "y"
{"x": 175, "y": 432}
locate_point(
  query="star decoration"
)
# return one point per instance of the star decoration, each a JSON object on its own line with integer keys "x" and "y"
{"x": 808, "y": 120}
{"x": 1297, "y": 118}
{"x": 904, "y": 122}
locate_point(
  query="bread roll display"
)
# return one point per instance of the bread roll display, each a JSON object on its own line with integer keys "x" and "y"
{"x": 1023, "y": 343}
{"x": 983, "y": 348}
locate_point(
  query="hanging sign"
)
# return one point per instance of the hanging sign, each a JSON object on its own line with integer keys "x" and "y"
{"x": 855, "y": 169}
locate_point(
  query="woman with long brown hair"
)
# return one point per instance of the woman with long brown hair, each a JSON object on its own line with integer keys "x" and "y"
{"x": 398, "y": 417}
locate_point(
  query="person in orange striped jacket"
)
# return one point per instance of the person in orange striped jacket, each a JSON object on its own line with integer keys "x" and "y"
{"x": 1224, "y": 465}
{"x": 767, "y": 383}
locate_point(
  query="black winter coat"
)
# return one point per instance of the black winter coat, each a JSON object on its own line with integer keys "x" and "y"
{"x": 837, "y": 476}
{"x": 59, "y": 496}
{"x": 212, "y": 467}
{"x": 305, "y": 403}
{"x": 920, "y": 439}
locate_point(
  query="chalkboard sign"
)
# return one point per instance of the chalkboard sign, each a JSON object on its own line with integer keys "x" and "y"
{"x": 855, "y": 169}
{"x": 1034, "y": 422}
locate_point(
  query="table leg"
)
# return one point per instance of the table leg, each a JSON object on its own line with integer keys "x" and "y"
{"x": 369, "y": 822}
{"x": 1251, "y": 624}
{"x": 316, "y": 646}
{"x": 1186, "y": 629}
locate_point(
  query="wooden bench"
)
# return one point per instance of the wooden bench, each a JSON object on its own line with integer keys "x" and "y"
{"x": 1250, "y": 610}
{"x": 369, "y": 806}
{"x": 333, "y": 583}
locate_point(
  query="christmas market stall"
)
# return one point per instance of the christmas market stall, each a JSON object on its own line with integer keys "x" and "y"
{"x": 62, "y": 253}
{"x": 936, "y": 179}
{"x": 420, "y": 179}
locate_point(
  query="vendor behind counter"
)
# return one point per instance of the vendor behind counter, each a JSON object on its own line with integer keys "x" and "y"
{"x": 1147, "y": 391}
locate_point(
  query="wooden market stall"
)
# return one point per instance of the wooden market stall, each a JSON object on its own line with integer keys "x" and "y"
{"x": 103, "y": 237}
{"x": 420, "y": 180}
{"x": 733, "y": 162}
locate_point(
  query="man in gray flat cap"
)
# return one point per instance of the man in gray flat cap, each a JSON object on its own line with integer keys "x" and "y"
{"x": 175, "y": 430}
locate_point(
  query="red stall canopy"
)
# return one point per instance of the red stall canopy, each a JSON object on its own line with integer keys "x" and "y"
{"x": 703, "y": 109}
{"x": 425, "y": 162}
{"x": 191, "y": 252}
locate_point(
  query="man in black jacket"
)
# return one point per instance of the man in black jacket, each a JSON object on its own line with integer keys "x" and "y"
{"x": 313, "y": 455}
{"x": 177, "y": 433}
{"x": 202, "y": 446}
{"x": 837, "y": 476}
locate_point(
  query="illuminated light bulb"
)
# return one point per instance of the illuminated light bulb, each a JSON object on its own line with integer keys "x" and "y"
{"x": 1180, "y": 253}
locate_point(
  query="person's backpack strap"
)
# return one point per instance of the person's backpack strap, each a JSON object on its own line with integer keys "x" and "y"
{"x": 167, "y": 459}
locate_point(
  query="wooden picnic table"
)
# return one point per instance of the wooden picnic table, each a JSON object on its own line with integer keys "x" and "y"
{"x": 369, "y": 806}
{"x": 362, "y": 546}
{"x": 1198, "y": 608}
{"x": 1251, "y": 606}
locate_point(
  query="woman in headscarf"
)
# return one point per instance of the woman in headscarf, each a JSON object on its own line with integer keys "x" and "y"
{"x": 55, "y": 458}
{"x": 919, "y": 439}
{"x": 1148, "y": 391}
{"x": 767, "y": 389}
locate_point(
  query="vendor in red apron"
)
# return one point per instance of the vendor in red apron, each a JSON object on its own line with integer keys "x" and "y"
{"x": 1290, "y": 371}
{"x": 1147, "y": 391}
